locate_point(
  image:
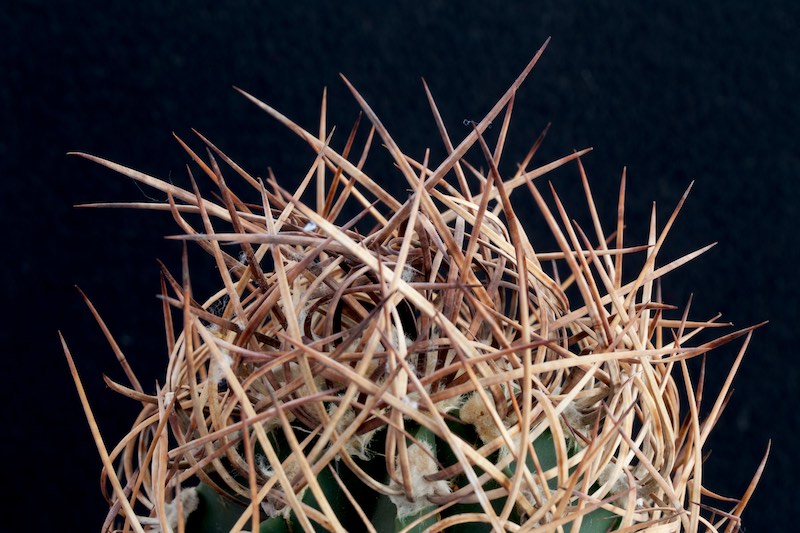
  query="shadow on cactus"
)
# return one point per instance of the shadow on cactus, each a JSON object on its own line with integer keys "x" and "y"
{"x": 426, "y": 374}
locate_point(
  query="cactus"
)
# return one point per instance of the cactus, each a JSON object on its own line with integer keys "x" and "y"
{"x": 421, "y": 366}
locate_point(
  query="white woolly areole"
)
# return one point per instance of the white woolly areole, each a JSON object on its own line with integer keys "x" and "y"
{"x": 537, "y": 498}
{"x": 408, "y": 274}
{"x": 474, "y": 412}
{"x": 575, "y": 420}
{"x": 189, "y": 502}
{"x": 394, "y": 339}
{"x": 271, "y": 505}
{"x": 411, "y": 401}
{"x": 216, "y": 367}
{"x": 619, "y": 484}
{"x": 451, "y": 404}
{"x": 420, "y": 464}
{"x": 357, "y": 445}
{"x": 609, "y": 473}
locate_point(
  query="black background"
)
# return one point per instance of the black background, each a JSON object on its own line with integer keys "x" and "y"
{"x": 676, "y": 91}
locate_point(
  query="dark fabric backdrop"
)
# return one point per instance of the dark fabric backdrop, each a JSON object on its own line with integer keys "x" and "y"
{"x": 674, "y": 90}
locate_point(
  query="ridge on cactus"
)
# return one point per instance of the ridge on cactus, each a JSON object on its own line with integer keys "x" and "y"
{"x": 421, "y": 366}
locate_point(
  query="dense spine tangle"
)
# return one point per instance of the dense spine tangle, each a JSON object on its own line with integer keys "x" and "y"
{"x": 371, "y": 363}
